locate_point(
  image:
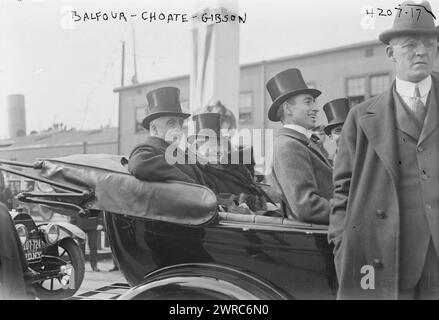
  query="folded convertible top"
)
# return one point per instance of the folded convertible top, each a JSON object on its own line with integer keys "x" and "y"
{"x": 119, "y": 192}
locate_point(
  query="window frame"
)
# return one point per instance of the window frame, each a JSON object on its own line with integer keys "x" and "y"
{"x": 251, "y": 120}
{"x": 367, "y": 78}
{"x": 377, "y": 75}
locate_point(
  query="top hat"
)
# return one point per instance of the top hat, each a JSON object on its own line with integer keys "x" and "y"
{"x": 285, "y": 85}
{"x": 411, "y": 21}
{"x": 336, "y": 112}
{"x": 163, "y": 102}
{"x": 207, "y": 124}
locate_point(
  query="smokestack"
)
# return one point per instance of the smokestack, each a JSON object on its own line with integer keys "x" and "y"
{"x": 16, "y": 115}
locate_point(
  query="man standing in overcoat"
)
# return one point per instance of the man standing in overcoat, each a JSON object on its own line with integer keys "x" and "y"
{"x": 384, "y": 219}
{"x": 300, "y": 171}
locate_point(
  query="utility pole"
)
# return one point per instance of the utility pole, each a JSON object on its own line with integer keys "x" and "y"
{"x": 120, "y": 98}
{"x": 123, "y": 64}
{"x": 134, "y": 79}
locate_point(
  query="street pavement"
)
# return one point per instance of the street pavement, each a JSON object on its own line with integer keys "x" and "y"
{"x": 96, "y": 280}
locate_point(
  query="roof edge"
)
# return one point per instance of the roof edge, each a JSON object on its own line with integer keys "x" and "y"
{"x": 257, "y": 63}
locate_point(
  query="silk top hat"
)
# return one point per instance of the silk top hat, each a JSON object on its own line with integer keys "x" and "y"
{"x": 163, "y": 102}
{"x": 336, "y": 112}
{"x": 413, "y": 19}
{"x": 285, "y": 85}
{"x": 207, "y": 125}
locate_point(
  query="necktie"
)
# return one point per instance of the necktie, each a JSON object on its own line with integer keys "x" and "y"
{"x": 314, "y": 138}
{"x": 418, "y": 106}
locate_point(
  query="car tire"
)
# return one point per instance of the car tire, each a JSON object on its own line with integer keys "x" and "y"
{"x": 78, "y": 263}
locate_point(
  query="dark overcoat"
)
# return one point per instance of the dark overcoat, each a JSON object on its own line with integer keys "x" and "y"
{"x": 365, "y": 215}
{"x": 13, "y": 265}
{"x": 148, "y": 162}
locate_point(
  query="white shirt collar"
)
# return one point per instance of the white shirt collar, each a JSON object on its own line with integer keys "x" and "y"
{"x": 299, "y": 129}
{"x": 407, "y": 89}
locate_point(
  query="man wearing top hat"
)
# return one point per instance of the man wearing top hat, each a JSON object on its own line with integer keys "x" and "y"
{"x": 384, "y": 221}
{"x": 300, "y": 171}
{"x": 336, "y": 112}
{"x": 164, "y": 121}
{"x": 221, "y": 174}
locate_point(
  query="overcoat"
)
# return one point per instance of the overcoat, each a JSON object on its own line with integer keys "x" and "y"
{"x": 148, "y": 162}
{"x": 365, "y": 214}
{"x": 13, "y": 265}
{"x": 303, "y": 176}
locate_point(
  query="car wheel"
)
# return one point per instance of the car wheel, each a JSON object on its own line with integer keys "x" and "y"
{"x": 73, "y": 273}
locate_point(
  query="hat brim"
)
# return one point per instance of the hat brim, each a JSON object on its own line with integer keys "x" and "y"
{"x": 387, "y": 35}
{"x": 272, "y": 112}
{"x": 329, "y": 127}
{"x": 156, "y": 115}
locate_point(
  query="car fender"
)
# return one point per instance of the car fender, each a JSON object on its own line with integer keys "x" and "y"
{"x": 68, "y": 230}
{"x": 204, "y": 281}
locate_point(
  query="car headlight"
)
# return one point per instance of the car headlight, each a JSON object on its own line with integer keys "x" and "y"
{"x": 51, "y": 233}
{"x": 22, "y": 232}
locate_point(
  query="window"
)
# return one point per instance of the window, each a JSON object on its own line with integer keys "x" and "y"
{"x": 140, "y": 115}
{"x": 379, "y": 84}
{"x": 245, "y": 107}
{"x": 356, "y": 90}
{"x": 368, "y": 86}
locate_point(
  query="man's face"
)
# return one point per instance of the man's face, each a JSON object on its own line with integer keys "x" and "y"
{"x": 335, "y": 133}
{"x": 212, "y": 150}
{"x": 413, "y": 56}
{"x": 167, "y": 128}
{"x": 303, "y": 110}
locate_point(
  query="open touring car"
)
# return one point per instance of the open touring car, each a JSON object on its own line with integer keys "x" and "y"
{"x": 171, "y": 242}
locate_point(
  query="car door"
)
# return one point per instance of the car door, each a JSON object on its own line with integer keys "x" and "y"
{"x": 292, "y": 255}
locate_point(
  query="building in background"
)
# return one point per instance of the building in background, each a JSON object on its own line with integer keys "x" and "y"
{"x": 358, "y": 72}
{"x": 58, "y": 143}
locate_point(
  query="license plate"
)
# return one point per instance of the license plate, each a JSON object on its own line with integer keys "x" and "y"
{"x": 33, "y": 249}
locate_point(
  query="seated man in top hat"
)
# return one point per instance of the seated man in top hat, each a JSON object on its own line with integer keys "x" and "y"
{"x": 222, "y": 172}
{"x": 300, "y": 171}
{"x": 165, "y": 122}
{"x": 336, "y": 112}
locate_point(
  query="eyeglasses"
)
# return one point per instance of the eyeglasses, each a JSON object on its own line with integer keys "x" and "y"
{"x": 414, "y": 43}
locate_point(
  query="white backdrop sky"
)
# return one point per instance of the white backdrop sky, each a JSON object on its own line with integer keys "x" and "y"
{"x": 67, "y": 72}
